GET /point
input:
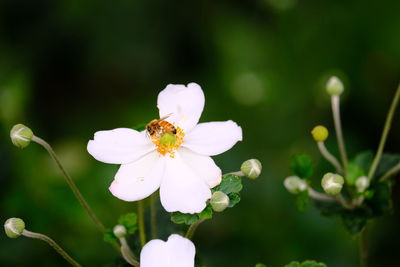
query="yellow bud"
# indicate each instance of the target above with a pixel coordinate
(320, 133)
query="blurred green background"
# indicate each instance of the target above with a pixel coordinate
(69, 68)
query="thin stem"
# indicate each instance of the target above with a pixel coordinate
(192, 228)
(385, 133)
(335, 100)
(329, 157)
(390, 172)
(70, 182)
(127, 253)
(53, 244)
(238, 173)
(153, 216)
(141, 226)
(319, 196)
(363, 247)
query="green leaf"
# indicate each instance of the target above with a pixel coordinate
(387, 162)
(302, 201)
(185, 218)
(230, 183)
(307, 263)
(260, 265)
(129, 220)
(363, 160)
(234, 198)
(354, 222)
(352, 173)
(109, 236)
(301, 165)
(206, 213)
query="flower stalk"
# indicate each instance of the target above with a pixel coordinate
(153, 216)
(53, 244)
(192, 229)
(329, 157)
(127, 253)
(141, 226)
(335, 101)
(70, 182)
(390, 172)
(385, 133)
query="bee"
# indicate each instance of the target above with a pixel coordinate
(159, 126)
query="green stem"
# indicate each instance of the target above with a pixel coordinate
(141, 226)
(153, 215)
(390, 172)
(363, 247)
(338, 127)
(385, 133)
(127, 253)
(70, 182)
(53, 244)
(192, 228)
(329, 157)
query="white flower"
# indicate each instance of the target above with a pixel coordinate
(177, 251)
(183, 169)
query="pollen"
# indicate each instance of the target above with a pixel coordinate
(168, 143)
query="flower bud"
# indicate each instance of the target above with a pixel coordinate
(334, 86)
(362, 183)
(167, 139)
(320, 133)
(332, 183)
(21, 135)
(14, 227)
(219, 201)
(251, 168)
(295, 185)
(119, 231)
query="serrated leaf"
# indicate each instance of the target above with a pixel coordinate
(307, 263)
(129, 220)
(180, 218)
(230, 183)
(352, 173)
(206, 213)
(260, 265)
(302, 201)
(234, 198)
(109, 236)
(301, 165)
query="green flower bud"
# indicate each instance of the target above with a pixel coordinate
(362, 183)
(119, 231)
(332, 183)
(14, 227)
(251, 168)
(334, 86)
(294, 184)
(168, 139)
(219, 201)
(21, 135)
(320, 133)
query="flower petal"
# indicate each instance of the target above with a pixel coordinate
(181, 188)
(202, 165)
(176, 252)
(137, 180)
(213, 138)
(119, 146)
(184, 105)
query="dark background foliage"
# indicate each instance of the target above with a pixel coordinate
(71, 68)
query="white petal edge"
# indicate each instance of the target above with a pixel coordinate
(138, 180)
(183, 104)
(213, 138)
(182, 189)
(177, 251)
(203, 166)
(119, 146)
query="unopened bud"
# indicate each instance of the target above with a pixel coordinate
(251, 168)
(320, 133)
(167, 139)
(14, 227)
(21, 135)
(219, 201)
(362, 183)
(119, 231)
(295, 185)
(334, 86)
(332, 183)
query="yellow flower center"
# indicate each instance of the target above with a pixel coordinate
(168, 143)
